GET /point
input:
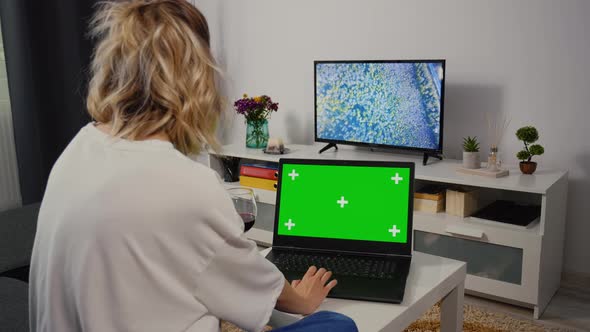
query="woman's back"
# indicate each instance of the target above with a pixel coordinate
(127, 232)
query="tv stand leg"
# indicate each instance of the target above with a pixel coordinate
(426, 155)
(330, 145)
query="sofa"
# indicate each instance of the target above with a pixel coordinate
(17, 234)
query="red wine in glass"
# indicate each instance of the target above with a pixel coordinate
(245, 204)
(249, 219)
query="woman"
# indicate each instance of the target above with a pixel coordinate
(134, 236)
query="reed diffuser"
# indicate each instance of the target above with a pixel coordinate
(496, 130)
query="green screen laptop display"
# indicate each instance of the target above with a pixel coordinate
(344, 202)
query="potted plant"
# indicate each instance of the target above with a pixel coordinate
(471, 158)
(528, 135)
(256, 110)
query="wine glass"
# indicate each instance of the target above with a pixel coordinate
(245, 204)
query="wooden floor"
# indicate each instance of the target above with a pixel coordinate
(569, 308)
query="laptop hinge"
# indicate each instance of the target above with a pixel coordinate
(343, 252)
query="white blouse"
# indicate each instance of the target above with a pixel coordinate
(134, 236)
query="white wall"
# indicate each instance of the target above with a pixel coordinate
(521, 58)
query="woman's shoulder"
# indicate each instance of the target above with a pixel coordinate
(197, 190)
(190, 170)
(183, 174)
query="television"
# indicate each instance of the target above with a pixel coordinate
(391, 104)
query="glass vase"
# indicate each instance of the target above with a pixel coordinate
(493, 160)
(257, 133)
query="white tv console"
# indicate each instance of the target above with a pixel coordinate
(515, 265)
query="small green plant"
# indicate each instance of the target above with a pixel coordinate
(529, 135)
(470, 144)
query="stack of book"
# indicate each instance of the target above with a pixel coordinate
(262, 176)
(430, 198)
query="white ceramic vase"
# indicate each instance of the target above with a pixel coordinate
(471, 160)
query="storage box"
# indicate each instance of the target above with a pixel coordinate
(429, 205)
(430, 198)
(462, 202)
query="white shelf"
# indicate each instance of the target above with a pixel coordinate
(447, 219)
(493, 232)
(436, 171)
(241, 151)
(428, 222)
(441, 223)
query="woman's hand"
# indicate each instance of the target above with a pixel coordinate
(313, 288)
(305, 296)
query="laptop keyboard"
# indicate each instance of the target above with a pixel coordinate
(354, 266)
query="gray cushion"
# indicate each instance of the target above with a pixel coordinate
(17, 234)
(14, 309)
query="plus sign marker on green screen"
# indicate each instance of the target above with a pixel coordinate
(345, 202)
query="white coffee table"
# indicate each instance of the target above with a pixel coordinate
(431, 279)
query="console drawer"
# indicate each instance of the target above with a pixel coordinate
(483, 259)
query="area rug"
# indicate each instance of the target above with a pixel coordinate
(475, 319)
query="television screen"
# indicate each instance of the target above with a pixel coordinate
(380, 103)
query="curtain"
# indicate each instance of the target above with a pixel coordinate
(47, 57)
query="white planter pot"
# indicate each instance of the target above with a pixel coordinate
(471, 160)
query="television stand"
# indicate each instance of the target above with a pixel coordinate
(426, 155)
(508, 263)
(330, 145)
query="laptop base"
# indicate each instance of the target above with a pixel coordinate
(363, 288)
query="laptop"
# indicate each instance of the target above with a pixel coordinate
(353, 218)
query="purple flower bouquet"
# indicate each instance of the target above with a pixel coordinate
(256, 110)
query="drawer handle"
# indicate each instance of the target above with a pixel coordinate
(464, 231)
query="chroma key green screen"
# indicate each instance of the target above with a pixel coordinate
(345, 202)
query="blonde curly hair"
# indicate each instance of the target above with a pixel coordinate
(153, 72)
